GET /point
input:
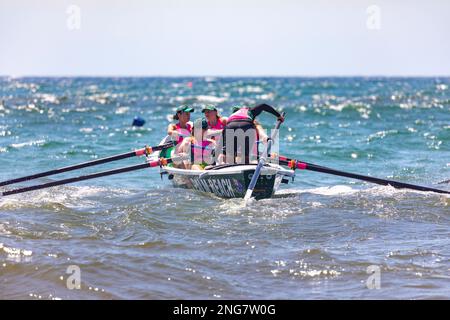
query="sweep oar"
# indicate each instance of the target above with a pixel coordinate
(296, 164)
(155, 163)
(136, 153)
(446, 181)
(261, 162)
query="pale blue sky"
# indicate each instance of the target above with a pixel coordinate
(229, 38)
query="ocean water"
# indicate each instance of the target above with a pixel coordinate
(134, 236)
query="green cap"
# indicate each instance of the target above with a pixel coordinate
(209, 107)
(183, 108)
(201, 123)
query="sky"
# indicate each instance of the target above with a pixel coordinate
(225, 38)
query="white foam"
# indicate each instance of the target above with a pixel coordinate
(3, 231)
(234, 206)
(122, 110)
(68, 196)
(251, 89)
(210, 99)
(327, 191)
(28, 144)
(47, 97)
(15, 252)
(347, 190)
(86, 130)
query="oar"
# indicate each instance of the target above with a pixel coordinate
(150, 164)
(446, 181)
(262, 161)
(137, 153)
(296, 164)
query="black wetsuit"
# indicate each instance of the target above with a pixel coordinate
(245, 125)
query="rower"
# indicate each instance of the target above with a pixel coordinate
(243, 119)
(183, 127)
(199, 147)
(216, 123)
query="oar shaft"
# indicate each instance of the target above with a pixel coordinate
(385, 182)
(136, 153)
(87, 177)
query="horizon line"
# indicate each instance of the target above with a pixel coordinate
(223, 76)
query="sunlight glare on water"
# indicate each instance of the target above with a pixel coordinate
(135, 236)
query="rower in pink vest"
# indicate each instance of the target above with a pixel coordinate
(199, 147)
(216, 123)
(242, 120)
(183, 127)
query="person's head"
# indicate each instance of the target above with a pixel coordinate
(199, 128)
(210, 112)
(183, 113)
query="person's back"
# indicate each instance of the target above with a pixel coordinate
(245, 133)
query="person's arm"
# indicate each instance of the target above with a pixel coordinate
(183, 147)
(182, 150)
(171, 129)
(213, 133)
(264, 107)
(262, 133)
(212, 142)
(224, 121)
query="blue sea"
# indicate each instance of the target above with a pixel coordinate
(135, 236)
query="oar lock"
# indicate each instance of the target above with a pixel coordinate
(163, 162)
(148, 150)
(292, 164)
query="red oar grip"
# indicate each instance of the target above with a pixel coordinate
(140, 152)
(144, 151)
(155, 163)
(301, 165)
(159, 162)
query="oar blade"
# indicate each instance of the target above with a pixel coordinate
(149, 164)
(254, 180)
(385, 182)
(298, 164)
(248, 194)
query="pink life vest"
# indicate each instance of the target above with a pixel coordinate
(241, 114)
(218, 126)
(201, 152)
(185, 132)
